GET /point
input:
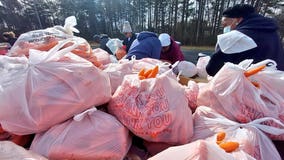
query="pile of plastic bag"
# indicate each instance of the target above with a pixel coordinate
(61, 99)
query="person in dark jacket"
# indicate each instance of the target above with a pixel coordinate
(170, 49)
(147, 45)
(102, 39)
(253, 37)
(9, 37)
(129, 35)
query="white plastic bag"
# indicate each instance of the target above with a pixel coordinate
(199, 150)
(114, 44)
(48, 88)
(245, 98)
(250, 136)
(155, 109)
(90, 135)
(201, 66)
(187, 69)
(11, 151)
(45, 39)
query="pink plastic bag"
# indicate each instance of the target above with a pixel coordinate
(45, 39)
(191, 91)
(4, 47)
(11, 151)
(201, 66)
(199, 150)
(102, 56)
(149, 63)
(234, 95)
(186, 68)
(250, 136)
(116, 72)
(90, 135)
(48, 88)
(155, 109)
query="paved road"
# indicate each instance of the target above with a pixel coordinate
(192, 55)
(189, 54)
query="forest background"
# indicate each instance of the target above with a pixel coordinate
(192, 22)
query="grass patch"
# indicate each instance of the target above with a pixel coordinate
(209, 48)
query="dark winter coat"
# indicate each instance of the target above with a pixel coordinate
(264, 33)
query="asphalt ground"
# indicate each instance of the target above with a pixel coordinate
(191, 54)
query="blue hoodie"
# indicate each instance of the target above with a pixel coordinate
(147, 45)
(264, 33)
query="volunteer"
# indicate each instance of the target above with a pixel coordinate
(170, 49)
(248, 35)
(129, 36)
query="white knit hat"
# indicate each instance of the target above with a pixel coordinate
(165, 39)
(126, 27)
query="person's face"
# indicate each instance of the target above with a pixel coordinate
(226, 21)
(128, 34)
(233, 22)
(165, 49)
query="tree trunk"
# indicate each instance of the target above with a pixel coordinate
(175, 16)
(150, 14)
(228, 4)
(199, 21)
(156, 14)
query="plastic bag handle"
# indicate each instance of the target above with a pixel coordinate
(80, 116)
(170, 70)
(60, 53)
(70, 22)
(268, 64)
(268, 129)
(256, 123)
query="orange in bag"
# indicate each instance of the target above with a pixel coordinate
(151, 73)
(254, 70)
(154, 72)
(147, 73)
(229, 146)
(221, 136)
(142, 72)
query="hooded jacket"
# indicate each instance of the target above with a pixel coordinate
(173, 54)
(103, 41)
(263, 31)
(147, 45)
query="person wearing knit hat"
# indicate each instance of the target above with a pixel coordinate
(129, 35)
(237, 11)
(170, 49)
(234, 15)
(247, 35)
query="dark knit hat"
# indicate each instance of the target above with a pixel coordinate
(239, 10)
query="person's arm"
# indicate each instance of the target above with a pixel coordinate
(216, 62)
(178, 55)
